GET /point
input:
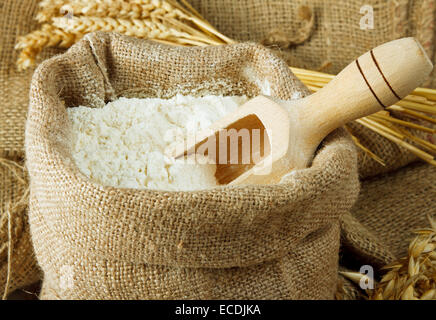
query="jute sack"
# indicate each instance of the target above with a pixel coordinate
(253, 242)
(327, 35)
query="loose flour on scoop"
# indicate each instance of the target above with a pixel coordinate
(123, 144)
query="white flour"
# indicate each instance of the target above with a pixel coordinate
(123, 144)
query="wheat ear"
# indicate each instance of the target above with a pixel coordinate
(152, 29)
(33, 43)
(49, 9)
(120, 9)
(126, 9)
(412, 277)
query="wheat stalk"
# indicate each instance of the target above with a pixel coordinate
(134, 27)
(165, 21)
(153, 29)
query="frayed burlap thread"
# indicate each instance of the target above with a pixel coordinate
(18, 266)
(249, 242)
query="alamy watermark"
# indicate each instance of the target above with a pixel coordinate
(367, 21)
(367, 281)
(66, 279)
(67, 11)
(224, 147)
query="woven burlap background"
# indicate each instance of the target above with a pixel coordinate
(337, 37)
(391, 206)
(251, 242)
(15, 19)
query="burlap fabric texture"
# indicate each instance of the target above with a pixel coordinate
(16, 19)
(253, 242)
(17, 262)
(337, 35)
(380, 228)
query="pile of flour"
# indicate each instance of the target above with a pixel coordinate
(123, 144)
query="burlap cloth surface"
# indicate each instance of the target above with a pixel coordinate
(18, 265)
(335, 37)
(16, 18)
(334, 41)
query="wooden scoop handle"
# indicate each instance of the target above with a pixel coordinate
(374, 81)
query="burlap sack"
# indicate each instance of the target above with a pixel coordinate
(338, 21)
(335, 40)
(253, 242)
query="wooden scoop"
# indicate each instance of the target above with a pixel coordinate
(289, 132)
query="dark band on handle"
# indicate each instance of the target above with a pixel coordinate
(381, 72)
(369, 86)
